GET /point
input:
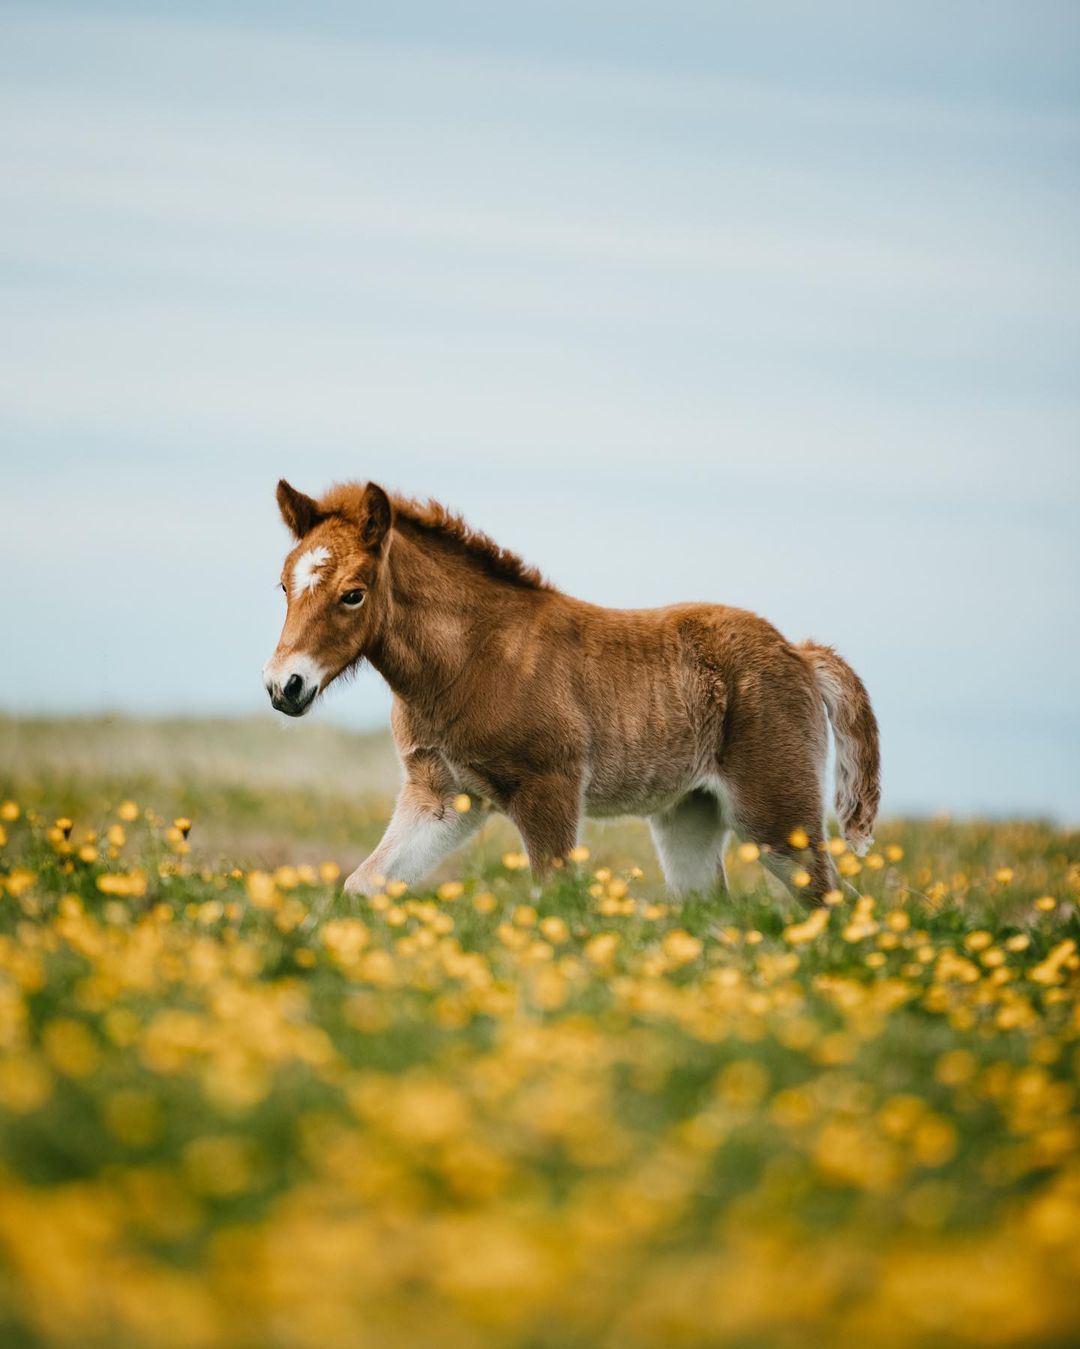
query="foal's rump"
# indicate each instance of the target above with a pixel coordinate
(773, 742)
(855, 729)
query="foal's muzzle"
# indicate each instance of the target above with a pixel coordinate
(294, 697)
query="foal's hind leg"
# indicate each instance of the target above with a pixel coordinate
(772, 819)
(690, 839)
(774, 778)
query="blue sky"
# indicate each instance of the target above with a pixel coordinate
(771, 304)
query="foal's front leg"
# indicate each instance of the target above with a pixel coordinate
(547, 812)
(422, 830)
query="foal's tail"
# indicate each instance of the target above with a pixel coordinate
(855, 729)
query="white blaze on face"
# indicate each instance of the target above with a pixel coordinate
(305, 575)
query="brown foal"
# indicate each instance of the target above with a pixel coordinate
(700, 717)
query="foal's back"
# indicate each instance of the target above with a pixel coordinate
(661, 691)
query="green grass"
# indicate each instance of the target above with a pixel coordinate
(238, 1109)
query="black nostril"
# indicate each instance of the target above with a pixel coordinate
(293, 688)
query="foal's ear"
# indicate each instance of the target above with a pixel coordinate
(376, 517)
(298, 511)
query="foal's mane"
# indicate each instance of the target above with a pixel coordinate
(432, 517)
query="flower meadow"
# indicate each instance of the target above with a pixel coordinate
(240, 1109)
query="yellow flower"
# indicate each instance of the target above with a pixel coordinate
(810, 928)
(800, 877)
(1045, 903)
(9, 811)
(798, 838)
(25, 1083)
(680, 947)
(578, 854)
(600, 950)
(128, 811)
(463, 803)
(748, 852)
(894, 852)
(554, 929)
(934, 1141)
(132, 885)
(261, 890)
(515, 861)
(1048, 971)
(450, 890)
(329, 872)
(70, 1047)
(955, 1067)
(183, 824)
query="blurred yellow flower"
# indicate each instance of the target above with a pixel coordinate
(261, 890)
(600, 950)
(809, 929)
(680, 947)
(25, 1083)
(555, 929)
(70, 1047)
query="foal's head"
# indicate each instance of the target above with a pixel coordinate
(330, 580)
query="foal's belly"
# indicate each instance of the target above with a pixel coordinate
(627, 783)
(609, 806)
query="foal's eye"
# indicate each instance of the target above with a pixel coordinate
(283, 590)
(352, 599)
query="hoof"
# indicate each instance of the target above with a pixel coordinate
(360, 884)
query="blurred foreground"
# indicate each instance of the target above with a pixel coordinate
(238, 1110)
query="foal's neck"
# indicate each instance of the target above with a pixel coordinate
(438, 607)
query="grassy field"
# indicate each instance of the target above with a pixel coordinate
(238, 1110)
